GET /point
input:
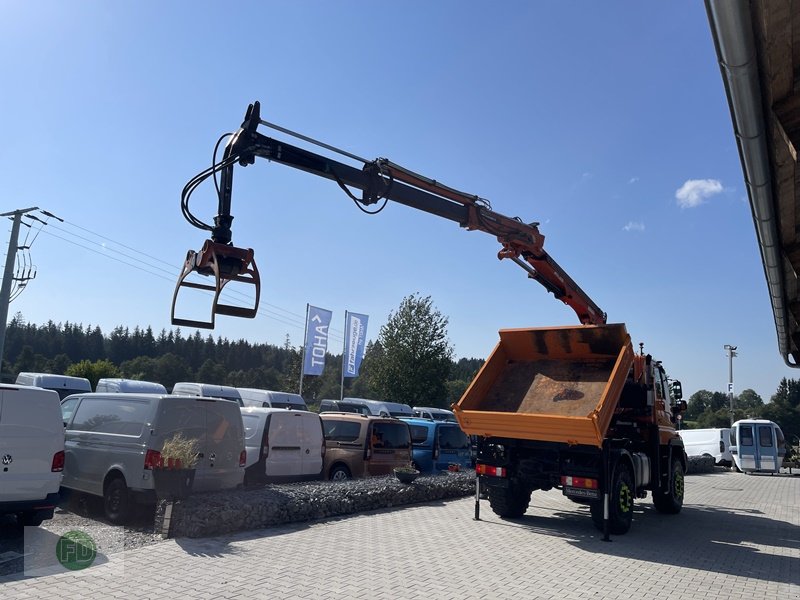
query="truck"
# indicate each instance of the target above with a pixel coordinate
(571, 408)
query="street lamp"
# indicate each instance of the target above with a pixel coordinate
(731, 353)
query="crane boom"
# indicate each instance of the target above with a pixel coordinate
(378, 180)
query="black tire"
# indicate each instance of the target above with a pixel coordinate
(116, 502)
(620, 503)
(671, 503)
(339, 473)
(510, 502)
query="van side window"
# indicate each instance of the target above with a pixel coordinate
(765, 436)
(67, 408)
(419, 434)
(341, 431)
(125, 417)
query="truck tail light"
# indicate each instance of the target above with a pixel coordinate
(152, 459)
(579, 482)
(491, 471)
(58, 462)
(243, 458)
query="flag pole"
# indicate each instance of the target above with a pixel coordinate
(344, 349)
(303, 352)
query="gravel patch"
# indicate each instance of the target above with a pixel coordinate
(225, 512)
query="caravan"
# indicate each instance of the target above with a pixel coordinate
(757, 446)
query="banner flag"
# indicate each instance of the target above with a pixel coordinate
(318, 323)
(355, 338)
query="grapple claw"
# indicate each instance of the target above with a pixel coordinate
(225, 263)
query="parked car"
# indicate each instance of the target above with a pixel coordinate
(757, 446)
(129, 386)
(438, 444)
(282, 445)
(383, 409)
(348, 406)
(113, 442)
(207, 390)
(270, 399)
(435, 414)
(708, 442)
(361, 446)
(65, 385)
(31, 453)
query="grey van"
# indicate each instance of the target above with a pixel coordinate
(113, 441)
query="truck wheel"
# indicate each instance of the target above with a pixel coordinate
(671, 502)
(510, 502)
(115, 501)
(620, 504)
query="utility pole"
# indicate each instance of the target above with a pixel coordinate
(5, 289)
(731, 353)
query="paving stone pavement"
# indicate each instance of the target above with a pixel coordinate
(738, 537)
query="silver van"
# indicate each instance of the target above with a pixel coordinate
(65, 385)
(379, 408)
(113, 441)
(209, 390)
(282, 445)
(270, 399)
(129, 386)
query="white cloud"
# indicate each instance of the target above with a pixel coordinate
(633, 180)
(695, 191)
(634, 226)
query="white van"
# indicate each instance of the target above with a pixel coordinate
(31, 452)
(113, 442)
(208, 390)
(129, 386)
(758, 446)
(709, 442)
(434, 414)
(63, 384)
(270, 399)
(282, 445)
(383, 409)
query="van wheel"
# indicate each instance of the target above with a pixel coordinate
(115, 500)
(340, 473)
(510, 502)
(671, 502)
(620, 503)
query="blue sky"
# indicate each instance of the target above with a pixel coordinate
(607, 124)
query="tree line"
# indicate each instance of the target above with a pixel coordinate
(410, 362)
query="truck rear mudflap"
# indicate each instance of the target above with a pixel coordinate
(557, 384)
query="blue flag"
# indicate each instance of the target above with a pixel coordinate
(355, 338)
(317, 325)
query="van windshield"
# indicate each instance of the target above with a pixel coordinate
(437, 416)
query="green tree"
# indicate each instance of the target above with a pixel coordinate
(748, 404)
(93, 371)
(417, 355)
(784, 409)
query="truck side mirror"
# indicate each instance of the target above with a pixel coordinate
(677, 390)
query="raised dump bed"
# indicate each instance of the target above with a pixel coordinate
(556, 384)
